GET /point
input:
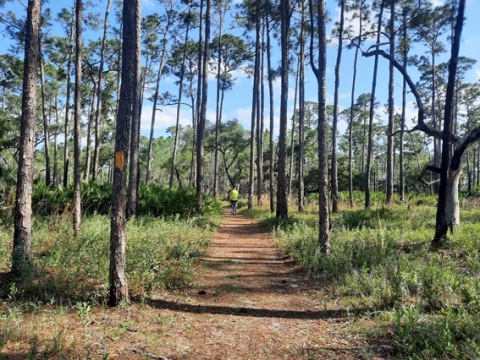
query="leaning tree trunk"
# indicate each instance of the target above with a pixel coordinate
(179, 105)
(46, 134)
(22, 263)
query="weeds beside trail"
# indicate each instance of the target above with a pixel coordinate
(426, 303)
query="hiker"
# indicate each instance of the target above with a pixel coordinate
(233, 197)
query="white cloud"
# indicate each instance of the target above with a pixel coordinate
(477, 73)
(148, 4)
(165, 118)
(438, 2)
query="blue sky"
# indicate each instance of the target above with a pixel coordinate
(238, 100)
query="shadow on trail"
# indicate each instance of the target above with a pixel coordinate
(256, 312)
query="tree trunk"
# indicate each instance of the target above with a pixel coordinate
(251, 185)
(117, 271)
(203, 114)
(321, 74)
(371, 116)
(334, 175)
(391, 110)
(77, 134)
(177, 123)
(301, 112)
(282, 202)
(134, 176)
(66, 160)
(271, 124)
(352, 104)
(22, 264)
(91, 117)
(260, 117)
(292, 139)
(98, 113)
(404, 106)
(449, 172)
(218, 111)
(46, 134)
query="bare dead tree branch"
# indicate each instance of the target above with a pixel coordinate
(422, 126)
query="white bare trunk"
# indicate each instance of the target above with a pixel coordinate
(453, 204)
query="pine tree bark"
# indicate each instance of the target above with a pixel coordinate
(66, 151)
(77, 134)
(391, 110)
(448, 204)
(253, 124)
(301, 112)
(134, 169)
(320, 72)
(334, 175)
(368, 171)
(271, 122)
(282, 196)
(203, 113)
(98, 113)
(117, 270)
(46, 133)
(22, 263)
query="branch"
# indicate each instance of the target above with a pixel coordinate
(463, 146)
(431, 168)
(421, 122)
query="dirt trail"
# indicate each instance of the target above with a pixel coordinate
(250, 302)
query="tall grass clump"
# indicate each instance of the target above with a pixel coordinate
(161, 253)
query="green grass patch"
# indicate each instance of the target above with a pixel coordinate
(381, 259)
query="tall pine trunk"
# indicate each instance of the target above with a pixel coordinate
(448, 205)
(253, 124)
(22, 264)
(134, 164)
(391, 110)
(271, 122)
(334, 175)
(368, 171)
(117, 270)
(203, 113)
(282, 200)
(98, 113)
(77, 133)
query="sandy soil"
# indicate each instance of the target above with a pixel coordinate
(251, 302)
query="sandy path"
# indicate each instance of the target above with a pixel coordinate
(250, 302)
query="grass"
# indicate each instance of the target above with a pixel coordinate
(425, 304)
(61, 311)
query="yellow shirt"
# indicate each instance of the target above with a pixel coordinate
(233, 195)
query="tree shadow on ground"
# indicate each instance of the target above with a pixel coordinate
(258, 312)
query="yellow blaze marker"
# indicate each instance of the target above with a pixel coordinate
(119, 159)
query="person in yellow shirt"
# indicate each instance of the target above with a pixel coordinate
(233, 197)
